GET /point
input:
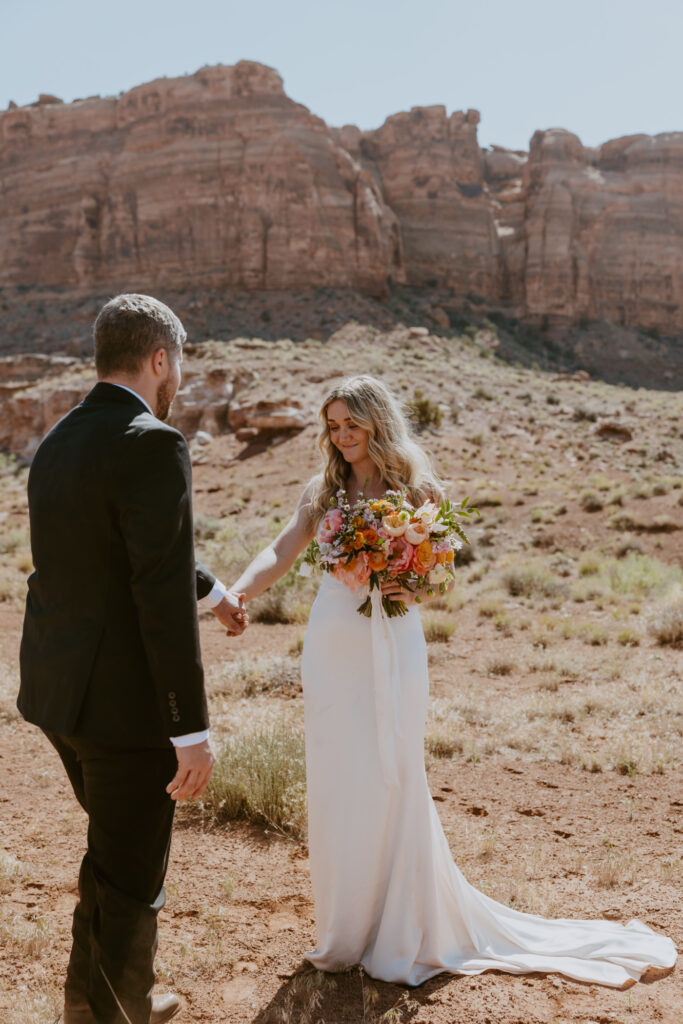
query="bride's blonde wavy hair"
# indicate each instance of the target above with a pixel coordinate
(401, 462)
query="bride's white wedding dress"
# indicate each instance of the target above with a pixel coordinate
(387, 892)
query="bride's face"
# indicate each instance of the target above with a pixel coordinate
(345, 434)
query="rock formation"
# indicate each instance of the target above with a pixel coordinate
(213, 179)
(218, 180)
(592, 234)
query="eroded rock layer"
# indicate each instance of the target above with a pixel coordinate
(219, 180)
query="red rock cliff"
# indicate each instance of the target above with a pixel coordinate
(218, 179)
(214, 179)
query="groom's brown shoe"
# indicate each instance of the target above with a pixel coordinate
(163, 1008)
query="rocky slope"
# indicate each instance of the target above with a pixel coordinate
(218, 180)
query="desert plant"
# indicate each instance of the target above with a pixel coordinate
(666, 622)
(532, 581)
(437, 630)
(424, 411)
(500, 667)
(28, 938)
(261, 776)
(12, 872)
(442, 745)
(591, 502)
(248, 677)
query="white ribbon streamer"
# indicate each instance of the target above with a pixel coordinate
(387, 689)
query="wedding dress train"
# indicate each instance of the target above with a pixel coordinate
(387, 892)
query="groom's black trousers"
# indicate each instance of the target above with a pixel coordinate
(130, 817)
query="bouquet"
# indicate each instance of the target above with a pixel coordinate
(378, 540)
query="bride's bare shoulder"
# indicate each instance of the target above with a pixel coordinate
(311, 490)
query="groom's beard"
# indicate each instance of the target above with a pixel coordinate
(165, 398)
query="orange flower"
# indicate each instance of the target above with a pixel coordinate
(424, 559)
(358, 541)
(377, 560)
(445, 557)
(358, 522)
(371, 536)
(382, 505)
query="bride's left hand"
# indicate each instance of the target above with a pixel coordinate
(395, 592)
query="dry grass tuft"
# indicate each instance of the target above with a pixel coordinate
(26, 938)
(260, 776)
(532, 581)
(250, 677)
(666, 623)
(616, 868)
(12, 872)
(437, 629)
(41, 1005)
(9, 688)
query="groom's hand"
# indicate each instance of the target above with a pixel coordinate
(195, 764)
(232, 613)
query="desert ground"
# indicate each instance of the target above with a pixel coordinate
(553, 742)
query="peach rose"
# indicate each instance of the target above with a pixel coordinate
(417, 533)
(396, 524)
(424, 559)
(400, 555)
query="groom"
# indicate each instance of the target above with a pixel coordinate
(110, 661)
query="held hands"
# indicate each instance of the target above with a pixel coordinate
(232, 613)
(195, 764)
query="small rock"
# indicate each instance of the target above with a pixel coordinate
(246, 433)
(202, 437)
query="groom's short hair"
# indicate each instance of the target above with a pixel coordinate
(129, 328)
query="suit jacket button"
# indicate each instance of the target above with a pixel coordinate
(176, 718)
(171, 695)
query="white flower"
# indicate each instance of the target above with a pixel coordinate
(438, 575)
(427, 513)
(396, 523)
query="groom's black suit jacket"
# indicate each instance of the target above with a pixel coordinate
(110, 647)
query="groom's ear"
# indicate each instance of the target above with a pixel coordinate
(159, 362)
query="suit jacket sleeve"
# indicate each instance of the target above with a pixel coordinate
(205, 580)
(155, 517)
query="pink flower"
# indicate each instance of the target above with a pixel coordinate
(330, 526)
(400, 555)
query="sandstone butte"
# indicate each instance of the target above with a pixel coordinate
(219, 180)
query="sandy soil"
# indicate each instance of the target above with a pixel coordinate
(526, 822)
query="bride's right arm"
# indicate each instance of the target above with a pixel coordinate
(279, 557)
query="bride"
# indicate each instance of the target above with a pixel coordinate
(387, 892)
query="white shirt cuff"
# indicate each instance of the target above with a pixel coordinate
(215, 595)
(190, 738)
